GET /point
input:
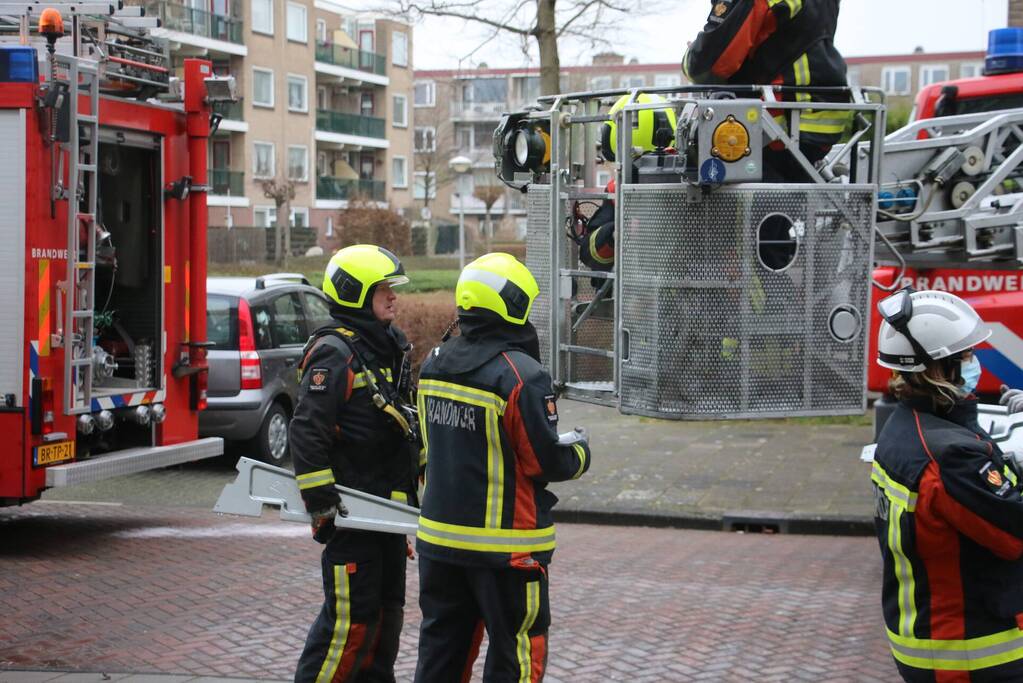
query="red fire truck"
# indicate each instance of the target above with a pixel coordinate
(103, 269)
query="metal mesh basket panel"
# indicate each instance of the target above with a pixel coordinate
(538, 260)
(717, 327)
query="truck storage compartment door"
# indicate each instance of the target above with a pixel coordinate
(12, 257)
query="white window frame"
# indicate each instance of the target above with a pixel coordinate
(269, 72)
(271, 214)
(329, 230)
(321, 30)
(255, 159)
(601, 83)
(404, 110)
(296, 210)
(419, 191)
(977, 67)
(399, 37)
(270, 13)
(432, 135)
(853, 76)
(927, 74)
(633, 81)
(305, 164)
(603, 178)
(402, 182)
(305, 92)
(667, 80)
(890, 72)
(431, 89)
(297, 32)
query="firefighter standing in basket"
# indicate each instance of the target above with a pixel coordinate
(949, 514)
(777, 42)
(349, 428)
(489, 423)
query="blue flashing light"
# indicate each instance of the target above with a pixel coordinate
(1004, 51)
(885, 200)
(18, 64)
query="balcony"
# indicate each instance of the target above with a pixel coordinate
(197, 27)
(227, 188)
(350, 130)
(351, 66)
(478, 111)
(234, 117)
(341, 189)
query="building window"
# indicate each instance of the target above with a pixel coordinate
(896, 80)
(667, 80)
(419, 189)
(262, 87)
(425, 94)
(465, 185)
(322, 101)
(263, 160)
(400, 119)
(264, 216)
(971, 69)
(933, 73)
(321, 30)
(633, 81)
(298, 23)
(399, 48)
(330, 227)
(853, 77)
(263, 16)
(601, 83)
(299, 217)
(603, 178)
(298, 93)
(426, 139)
(399, 172)
(298, 163)
(366, 106)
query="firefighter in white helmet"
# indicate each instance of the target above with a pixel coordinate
(949, 515)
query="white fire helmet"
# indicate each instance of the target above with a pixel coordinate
(922, 326)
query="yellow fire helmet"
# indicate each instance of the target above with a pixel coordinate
(645, 125)
(352, 271)
(497, 282)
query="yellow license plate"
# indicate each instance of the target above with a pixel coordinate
(53, 453)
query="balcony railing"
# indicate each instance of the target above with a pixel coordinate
(227, 183)
(353, 59)
(328, 187)
(229, 110)
(479, 110)
(177, 17)
(349, 124)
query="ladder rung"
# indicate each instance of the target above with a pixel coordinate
(87, 118)
(586, 350)
(82, 314)
(86, 218)
(85, 265)
(80, 362)
(87, 168)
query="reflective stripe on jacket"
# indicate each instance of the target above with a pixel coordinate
(491, 447)
(949, 520)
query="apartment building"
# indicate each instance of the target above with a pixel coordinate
(324, 102)
(455, 113)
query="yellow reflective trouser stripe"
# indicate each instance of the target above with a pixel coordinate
(495, 472)
(958, 655)
(581, 452)
(523, 646)
(313, 479)
(457, 392)
(342, 623)
(360, 379)
(801, 76)
(421, 404)
(486, 540)
(895, 491)
(399, 496)
(903, 571)
(824, 122)
(594, 253)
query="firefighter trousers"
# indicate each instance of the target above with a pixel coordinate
(459, 602)
(355, 637)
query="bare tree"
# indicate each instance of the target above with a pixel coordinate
(282, 192)
(531, 19)
(432, 156)
(488, 194)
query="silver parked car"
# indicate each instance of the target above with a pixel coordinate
(258, 328)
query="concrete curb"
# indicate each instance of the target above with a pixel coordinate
(747, 521)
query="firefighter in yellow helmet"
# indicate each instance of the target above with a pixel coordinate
(351, 427)
(489, 420)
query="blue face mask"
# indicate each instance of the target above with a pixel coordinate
(970, 370)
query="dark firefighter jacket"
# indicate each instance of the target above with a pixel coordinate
(949, 520)
(337, 434)
(779, 42)
(597, 243)
(489, 422)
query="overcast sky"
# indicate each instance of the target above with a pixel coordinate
(865, 27)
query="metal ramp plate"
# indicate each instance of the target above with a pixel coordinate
(259, 484)
(132, 461)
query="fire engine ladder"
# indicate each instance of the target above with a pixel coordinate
(82, 151)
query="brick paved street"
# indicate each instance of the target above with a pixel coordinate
(176, 590)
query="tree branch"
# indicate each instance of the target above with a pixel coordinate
(452, 10)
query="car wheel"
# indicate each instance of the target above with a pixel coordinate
(272, 439)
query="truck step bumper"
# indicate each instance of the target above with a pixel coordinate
(132, 460)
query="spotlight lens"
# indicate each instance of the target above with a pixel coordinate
(521, 148)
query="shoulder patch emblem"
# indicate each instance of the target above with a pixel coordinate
(720, 9)
(998, 484)
(318, 379)
(551, 408)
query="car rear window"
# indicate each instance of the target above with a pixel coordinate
(222, 321)
(976, 105)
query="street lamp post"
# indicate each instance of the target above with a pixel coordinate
(461, 165)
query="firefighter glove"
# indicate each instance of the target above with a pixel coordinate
(323, 521)
(1012, 399)
(584, 434)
